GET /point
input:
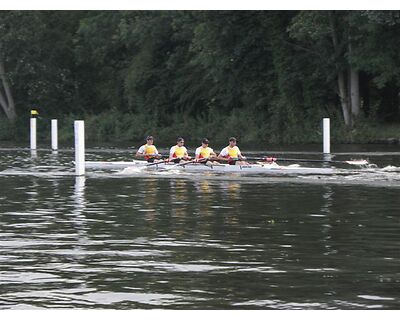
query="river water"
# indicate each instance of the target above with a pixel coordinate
(124, 241)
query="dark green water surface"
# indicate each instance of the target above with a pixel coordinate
(195, 242)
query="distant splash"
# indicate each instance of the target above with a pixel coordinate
(390, 169)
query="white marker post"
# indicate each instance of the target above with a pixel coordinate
(79, 129)
(33, 133)
(327, 135)
(54, 134)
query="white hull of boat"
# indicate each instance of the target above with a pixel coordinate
(220, 168)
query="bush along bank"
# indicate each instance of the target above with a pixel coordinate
(124, 128)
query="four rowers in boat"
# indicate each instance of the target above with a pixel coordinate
(179, 153)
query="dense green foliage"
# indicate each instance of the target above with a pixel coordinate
(258, 75)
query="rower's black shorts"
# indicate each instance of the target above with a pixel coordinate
(176, 160)
(232, 162)
(151, 160)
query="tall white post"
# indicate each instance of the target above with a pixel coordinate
(79, 130)
(54, 134)
(327, 135)
(33, 133)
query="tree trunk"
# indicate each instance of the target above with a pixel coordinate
(343, 89)
(355, 91)
(344, 101)
(6, 100)
(354, 84)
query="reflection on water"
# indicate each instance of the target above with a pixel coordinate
(149, 199)
(78, 215)
(205, 193)
(149, 242)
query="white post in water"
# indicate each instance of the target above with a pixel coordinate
(33, 133)
(79, 129)
(54, 134)
(327, 135)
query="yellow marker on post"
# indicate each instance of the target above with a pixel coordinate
(34, 113)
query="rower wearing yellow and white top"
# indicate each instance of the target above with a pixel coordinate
(178, 152)
(148, 151)
(204, 151)
(232, 153)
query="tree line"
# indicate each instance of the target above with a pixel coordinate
(259, 75)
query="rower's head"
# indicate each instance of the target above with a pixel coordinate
(232, 141)
(180, 141)
(150, 140)
(205, 143)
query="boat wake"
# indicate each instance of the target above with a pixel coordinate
(131, 171)
(45, 174)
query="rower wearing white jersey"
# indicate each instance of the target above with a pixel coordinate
(148, 151)
(232, 153)
(178, 152)
(204, 151)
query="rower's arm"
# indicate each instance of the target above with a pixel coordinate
(186, 155)
(140, 152)
(240, 156)
(222, 155)
(171, 153)
(197, 153)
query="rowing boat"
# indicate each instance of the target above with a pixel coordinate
(267, 168)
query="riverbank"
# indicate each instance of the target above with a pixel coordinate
(120, 129)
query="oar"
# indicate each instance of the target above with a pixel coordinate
(230, 159)
(352, 162)
(192, 161)
(158, 162)
(167, 160)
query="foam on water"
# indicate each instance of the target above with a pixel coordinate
(130, 171)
